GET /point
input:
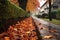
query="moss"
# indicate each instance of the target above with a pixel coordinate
(12, 11)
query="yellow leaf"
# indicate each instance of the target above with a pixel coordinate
(48, 37)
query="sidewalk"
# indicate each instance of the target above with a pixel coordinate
(44, 29)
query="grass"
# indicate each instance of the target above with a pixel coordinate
(54, 21)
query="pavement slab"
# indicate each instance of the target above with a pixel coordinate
(43, 28)
(44, 31)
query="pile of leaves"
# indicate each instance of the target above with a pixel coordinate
(22, 30)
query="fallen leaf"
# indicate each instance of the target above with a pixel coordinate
(28, 32)
(48, 37)
(6, 38)
(52, 31)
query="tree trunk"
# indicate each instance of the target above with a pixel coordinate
(50, 16)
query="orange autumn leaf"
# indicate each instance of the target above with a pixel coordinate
(6, 38)
(15, 2)
(32, 5)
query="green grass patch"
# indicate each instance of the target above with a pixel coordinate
(54, 21)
